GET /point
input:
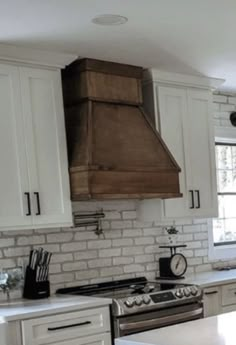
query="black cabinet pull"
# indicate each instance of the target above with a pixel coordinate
(211, 292)
(192, 199)
(38, 204)
(28, 204)
(69, 326)
(198, 199)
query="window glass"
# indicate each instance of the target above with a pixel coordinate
(224, 228)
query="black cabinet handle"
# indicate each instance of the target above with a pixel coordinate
(38, 204)
(69, 326)
(28, 204)
(198, 199)
(211, 292)
(192, 199)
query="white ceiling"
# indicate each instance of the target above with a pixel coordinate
(188, 36)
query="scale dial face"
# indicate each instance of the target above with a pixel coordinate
(178, 265)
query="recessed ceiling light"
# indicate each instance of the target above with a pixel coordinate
(109, 19)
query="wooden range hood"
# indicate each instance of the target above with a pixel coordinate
(114, 151)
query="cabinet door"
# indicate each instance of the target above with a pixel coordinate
(201, 152)
(173, 126)
(46, 147)
(99, 339)
(13, 173)
(211, 301)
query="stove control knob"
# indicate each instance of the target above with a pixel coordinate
(186, 292)
(194, 290)
(179, 293)
(138, 301)
(129, 303)
(146, 299)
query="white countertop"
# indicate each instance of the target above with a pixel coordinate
(211, 278)
(25, 309)
(216, 330)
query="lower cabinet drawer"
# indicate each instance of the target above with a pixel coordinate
(65, 327)
(228, 294)
(99, 339)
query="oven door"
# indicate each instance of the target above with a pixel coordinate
(146, 321)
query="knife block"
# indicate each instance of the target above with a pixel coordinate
(34, 289)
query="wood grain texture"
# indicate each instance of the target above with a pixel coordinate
(114, 150)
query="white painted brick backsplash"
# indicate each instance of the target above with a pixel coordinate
(227, 107)
(7, 242)
(103, 253)
(220, 98)
(144, 258)
(232, 100)
(112, 271)
(28, 240)
(144, 240)
(89, 254)
(130, 247)
(89, 274)
(60, 237)
(60, 258)
(123, 261)
(99, 244)
(74, 266)
(133, 268)
(100, 263)
(122, 242)
(129, 215)
(133, 250)
(73, 247)
(113, 215)
(132, 233)
(62, 278)
(16, 252)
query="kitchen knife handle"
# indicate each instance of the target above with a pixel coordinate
(28, 204)
(192, 199)
(198, 199)
(38, 204)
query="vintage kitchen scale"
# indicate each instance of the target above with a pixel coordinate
(175, 266)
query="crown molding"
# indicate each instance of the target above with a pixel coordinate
(186, 80)
(20, 54)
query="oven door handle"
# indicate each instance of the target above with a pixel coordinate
(166, 320)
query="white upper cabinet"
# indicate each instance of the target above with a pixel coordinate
(14, 181)
(173, 126)
(46, 146)
(34, 179)
(201, 151)
(183, 115)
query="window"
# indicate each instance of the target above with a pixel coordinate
(224, 227)
(222, 231)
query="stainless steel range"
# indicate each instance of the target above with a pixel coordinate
(140, 305)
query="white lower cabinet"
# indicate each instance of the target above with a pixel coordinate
(219, 299)
(98, 339)
(91, 327)
(212, 301)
